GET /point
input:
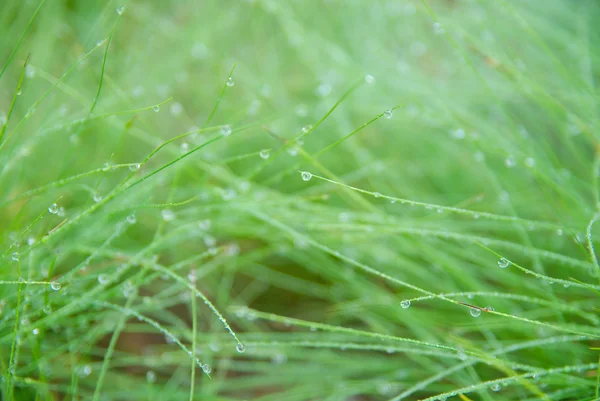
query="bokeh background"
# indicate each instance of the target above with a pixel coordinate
(483, 114)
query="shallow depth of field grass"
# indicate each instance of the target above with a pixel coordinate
(299, 200)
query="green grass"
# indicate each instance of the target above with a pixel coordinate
(299, 200)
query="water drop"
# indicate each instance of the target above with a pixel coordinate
(489, 308)
(458, 133)
(150, 376)
(370, 79)
(324, 89)
(120, 10)
(292, 151)
(103, 279)
(241, 348)
(377, 194)
(55, 285)
(176, 109)
(503, 263)
(15, 256)
(131, 219)
(184, 148)
(134, 166)
(510, 162)
(30, 71)
(405, 304)
(306, 128)
(84, 371)
(495, 387)
(97, 197)
(204, 225)
(228, 194)
(206, 369)
(156, 108)
(230, 82)
(475, 312)
(35, 331)
(167, 215)
(53, 208)
(388, 114)
(264, 154)
(306, 176)
(226, 130)
(530, 162)
(438, 29)
(19, 92)
(210, 241)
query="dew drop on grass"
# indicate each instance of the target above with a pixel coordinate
(306, 176)
(292, 151)
(97, 197)
(458, 133)
(55, 285)
(167, 215)
(503, 263)
(131, 219)
(509, 162)
(230, 82)
(475, 312)
(264, 154)
(438, 29)
(30, 71)
(19, 92)
(176, 109)
(53, 208)
(226, 130)
(204, 225)
(388, 114)
(150, 376)
(120, 10)
(495, 387)
(85, 371)
(102, 279)
(370, 79)
(134, 167)
(530, 162)
(15, 256)
(184, 148)
(156, 108)
(324, 89)
(306, 128)
(206, 369)
(35, 331)
(405, 304)
(377, 194)
(241, 348)
(106, 166)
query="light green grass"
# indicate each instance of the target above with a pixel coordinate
(299, 200)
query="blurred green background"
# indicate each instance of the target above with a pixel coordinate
(441, 137)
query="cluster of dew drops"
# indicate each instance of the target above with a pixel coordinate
(503, 263)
